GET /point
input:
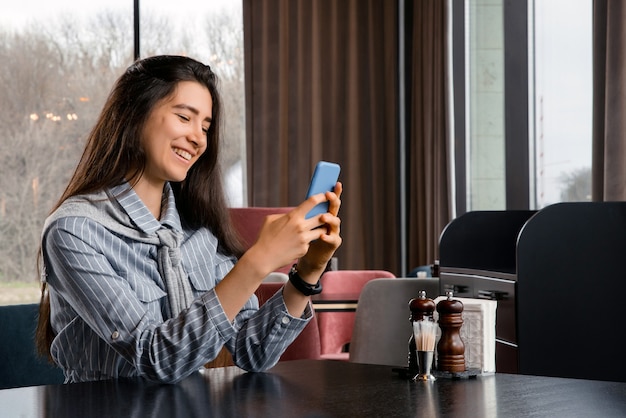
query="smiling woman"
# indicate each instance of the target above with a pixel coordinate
(144, 273)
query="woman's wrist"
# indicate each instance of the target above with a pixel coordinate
(306, 288)
(307, 272)
(255, 264)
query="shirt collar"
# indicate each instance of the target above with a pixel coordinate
(141, 215)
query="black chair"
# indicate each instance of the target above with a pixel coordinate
(20, 365)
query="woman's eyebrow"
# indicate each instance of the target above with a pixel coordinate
(192, 110)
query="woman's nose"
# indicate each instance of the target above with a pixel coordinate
(197, 136)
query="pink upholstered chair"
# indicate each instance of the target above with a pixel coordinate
(307, 344)
(336, 327)
(248, 222)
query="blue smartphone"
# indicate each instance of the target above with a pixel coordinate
(323, 180)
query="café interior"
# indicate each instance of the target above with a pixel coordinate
(430, 109)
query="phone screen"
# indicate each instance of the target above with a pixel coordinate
(323, 180)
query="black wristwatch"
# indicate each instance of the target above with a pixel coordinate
(307, 289)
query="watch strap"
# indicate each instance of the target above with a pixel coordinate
(307, 289)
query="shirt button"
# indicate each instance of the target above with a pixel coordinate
(285, 320)
(115, 335)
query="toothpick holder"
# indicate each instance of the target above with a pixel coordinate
(424, 363)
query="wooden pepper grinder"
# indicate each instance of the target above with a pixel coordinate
(421, 307)
(450, 349)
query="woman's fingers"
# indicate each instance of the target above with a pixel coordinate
(286, 237)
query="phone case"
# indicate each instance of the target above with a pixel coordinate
(324, 178)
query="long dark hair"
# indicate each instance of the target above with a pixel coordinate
(113, 150)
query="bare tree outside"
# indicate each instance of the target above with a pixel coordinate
(576, 185)
(54, 80)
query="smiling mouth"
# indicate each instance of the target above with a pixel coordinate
(182, 153)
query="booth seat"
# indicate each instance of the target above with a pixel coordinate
(20, 365)
(336, 327)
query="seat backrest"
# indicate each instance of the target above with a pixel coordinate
(336, 327)
(381, 326)
(307, 344)
(276, 277)
(350, 281)
(20, 365)
(248, 222)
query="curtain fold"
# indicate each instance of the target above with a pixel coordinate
(322, 84)
(609, 101)
(429, 200)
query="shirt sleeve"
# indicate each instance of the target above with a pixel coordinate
(262, 337)
(123, 315)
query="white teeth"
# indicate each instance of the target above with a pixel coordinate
(183, 153)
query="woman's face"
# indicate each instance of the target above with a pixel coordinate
(175, 134)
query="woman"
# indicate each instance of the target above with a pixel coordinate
(142, 272)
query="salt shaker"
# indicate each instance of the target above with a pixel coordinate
(450, 349)
(421, 307)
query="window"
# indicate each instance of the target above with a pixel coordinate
(60, 60)
(485, 75)
(563, 100)
(523, 113)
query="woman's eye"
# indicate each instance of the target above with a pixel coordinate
(205, 129)
(183, 117)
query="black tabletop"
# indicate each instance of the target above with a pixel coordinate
(310, 388)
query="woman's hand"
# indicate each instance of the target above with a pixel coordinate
(286, 237)
(312, 265)
(283, 239)
(329, 239)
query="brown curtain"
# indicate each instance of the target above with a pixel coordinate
(429, 201)
(322, 83)
(609, 101)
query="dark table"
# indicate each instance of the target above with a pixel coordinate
(318, 388)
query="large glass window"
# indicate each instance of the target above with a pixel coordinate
(59, 61)
(553, 38)
(485, 77)
(563, 100)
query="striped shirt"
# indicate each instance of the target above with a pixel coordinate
(108, 302)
